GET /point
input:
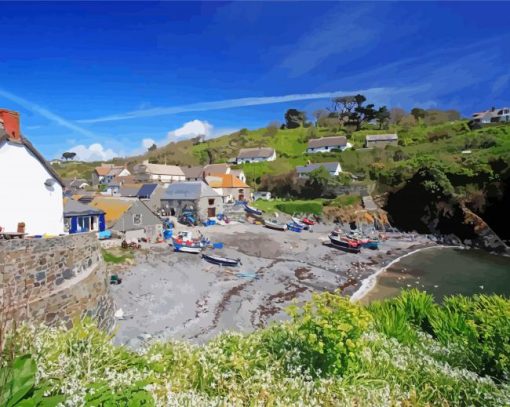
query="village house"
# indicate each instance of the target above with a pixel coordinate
(105, 173)
(381, 140)
(255, 155)
(239, 174)
(196, 197)
(229, 186)
(264, 195)
(221, 168)
(327, 144)
(333, 168)
(193, 173)
(75, 184)
(81, 218)
(494, 115)
(151, 195)
(129, 216)
(147, 172)
(130, 190)
(31, 200)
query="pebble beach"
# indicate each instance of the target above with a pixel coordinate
(168, 295)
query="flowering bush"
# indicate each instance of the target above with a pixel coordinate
(332, 352)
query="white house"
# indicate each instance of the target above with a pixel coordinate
(256, 155)
(501, 115)
(31, 190)
(105, 173)
(147, 172)
(327, 144)
(333, 169)
(265, 195)
(239, 174)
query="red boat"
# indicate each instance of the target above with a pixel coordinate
(307, 221)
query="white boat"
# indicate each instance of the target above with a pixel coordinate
(184, 248)
(273, 224)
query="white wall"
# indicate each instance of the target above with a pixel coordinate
(167, 178)
(23, 195)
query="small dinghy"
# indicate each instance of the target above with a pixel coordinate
(346, 245)
(221, 261)
(273, 224)
(372, 244)
(252, 210)
(293, 227)
(307, 221)
(185, 248)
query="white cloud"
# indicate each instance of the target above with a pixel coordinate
(94, 152)
(148, 142)
(191, 129)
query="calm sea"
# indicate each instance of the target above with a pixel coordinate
(445, 271)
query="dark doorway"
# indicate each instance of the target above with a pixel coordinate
(211, 212)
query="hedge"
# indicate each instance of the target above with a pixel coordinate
(300, 207)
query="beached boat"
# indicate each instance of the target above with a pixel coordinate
(273, 224)
(293, 227)
(372, 244)
(250, 209)
(308, 222)
(221, 261)
(185, 248)
(298, 222)
(186, 238)
(345, 244)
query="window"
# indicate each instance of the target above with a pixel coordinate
(137, 219)
(211, 201)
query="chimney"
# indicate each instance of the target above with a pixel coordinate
(10, 121)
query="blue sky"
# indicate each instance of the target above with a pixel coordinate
(104, 79)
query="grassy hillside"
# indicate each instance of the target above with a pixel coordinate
(406, 351)
(444, 142)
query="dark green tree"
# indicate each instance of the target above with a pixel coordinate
(68, 155)
(294, 118)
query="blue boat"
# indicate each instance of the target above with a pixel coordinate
(372, 244)
(249, 209)
(184, 248)
(294, 227)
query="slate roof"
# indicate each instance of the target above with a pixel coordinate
(146, 191)
(260, 152)
(24, 141)
(381, 137)
(130, 190)
(327, 142)
(305, 169)
(159, 169)
(225, 181)
(75, 208)
(193, 172)
(189, 191)
(216, 169)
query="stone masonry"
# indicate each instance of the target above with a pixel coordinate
(55, 280)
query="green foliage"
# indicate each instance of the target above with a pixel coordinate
(17, 380)
(305, 207)
(329, 330)
(101, 395)
(481, 326)
(343, 201)
(110, 257)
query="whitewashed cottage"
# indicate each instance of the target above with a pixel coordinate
(30, 190)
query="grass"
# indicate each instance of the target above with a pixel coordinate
(117, 256)
(272, 205)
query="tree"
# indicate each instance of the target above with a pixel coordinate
(408, 121)
(294, 118)
(418, 113)
(68, 155)
(153, 147)
(382, 116)
(396, 115)
(317, 183)
(318, 115)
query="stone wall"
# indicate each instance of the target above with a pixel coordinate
(56, 279)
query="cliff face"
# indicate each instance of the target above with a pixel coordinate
(423, 208)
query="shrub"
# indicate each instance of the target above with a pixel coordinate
(329, 329)
(300, 207)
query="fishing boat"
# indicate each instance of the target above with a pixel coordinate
(273, 224)
(344, 244)
(221, 261)
(185, 248)
(293, 227)
(250, 209)
(308, 222)
(298, 222)
(186, 238)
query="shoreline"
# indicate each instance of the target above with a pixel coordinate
(369, 283)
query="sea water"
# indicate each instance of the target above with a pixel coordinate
(445, 271)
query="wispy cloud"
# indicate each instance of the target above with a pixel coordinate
(33, 107)
(229, 104)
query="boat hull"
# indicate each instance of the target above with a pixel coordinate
(253, 211)
(276, 226)
(187, 249)
(344, 246)
(221, 261)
